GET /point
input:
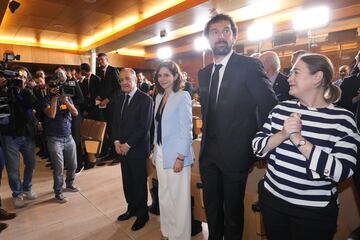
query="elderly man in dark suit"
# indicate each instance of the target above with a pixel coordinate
(109, 87)
(271, 62)
(133, 111)
(235, 96)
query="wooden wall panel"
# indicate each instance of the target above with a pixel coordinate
(126, 61)
(39, 55)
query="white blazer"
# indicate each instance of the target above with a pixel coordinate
(176, 128)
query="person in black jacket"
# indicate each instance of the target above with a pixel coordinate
(279, 81)
(132, 115)
(90, 87)
(235, 97)
(109, 87)
(18, 137)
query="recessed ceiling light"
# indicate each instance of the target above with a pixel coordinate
(90, 1)
(58, 26)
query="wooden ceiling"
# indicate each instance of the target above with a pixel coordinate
(110, 25)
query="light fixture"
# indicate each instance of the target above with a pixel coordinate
(164, 53)
(259, 31)
(13, 6)
(201, 44)
(311, 18)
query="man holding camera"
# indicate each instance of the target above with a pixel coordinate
(59, 110)
(18, 137)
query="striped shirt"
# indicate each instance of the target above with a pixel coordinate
(309, 182)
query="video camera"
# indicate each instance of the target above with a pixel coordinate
(66, 88)
(12, 77)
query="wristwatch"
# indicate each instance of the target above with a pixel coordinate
(301, 143)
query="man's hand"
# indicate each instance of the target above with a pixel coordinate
(124, 149)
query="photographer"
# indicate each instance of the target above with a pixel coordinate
(18, 137)
(59, 110)
(78, 98)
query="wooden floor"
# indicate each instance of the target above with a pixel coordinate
(89, 214)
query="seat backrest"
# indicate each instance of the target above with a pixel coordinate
(85, 127)
(196, 111)
(196, 147)
(97, 130)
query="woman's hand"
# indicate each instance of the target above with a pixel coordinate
(292, 125)
(178, 165)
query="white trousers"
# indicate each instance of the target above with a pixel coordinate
(174, 199)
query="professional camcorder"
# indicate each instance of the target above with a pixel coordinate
(66, 88)
(11, 77)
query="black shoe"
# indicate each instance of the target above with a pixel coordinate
(88, 165)
(196, 227)
(154, 208)
(114, 162)
(79, 169)
(107, 158)
(140, 223)
(3, 226)
(125, 216)
(4, 215)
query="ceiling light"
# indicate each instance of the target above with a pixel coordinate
(164, 53)
(13, 6)
(259, 31)
(90, 1)
(311, 18)
(201, 44)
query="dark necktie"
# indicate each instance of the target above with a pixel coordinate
(124, 106)
(214, 87)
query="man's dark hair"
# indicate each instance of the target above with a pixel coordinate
(219, 18)
(77, 70)
(102, 55)
(85, 67)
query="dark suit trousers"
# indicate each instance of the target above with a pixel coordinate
(134, 176)
(223, 196)
(75, 132)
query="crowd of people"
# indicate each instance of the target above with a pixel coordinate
(301, 124)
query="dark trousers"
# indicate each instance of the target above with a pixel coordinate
(286, 221)
(223, 197)
(105, 115)
(75, 132)
(134, 176)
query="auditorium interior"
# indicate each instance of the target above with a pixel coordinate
(138, 34)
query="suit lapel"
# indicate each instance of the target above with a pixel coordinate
(226, 77)
(207, 80)
(131, 104)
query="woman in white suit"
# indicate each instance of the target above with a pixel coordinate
(173, 154)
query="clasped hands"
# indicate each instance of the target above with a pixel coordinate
(121, 149)
(292, 126)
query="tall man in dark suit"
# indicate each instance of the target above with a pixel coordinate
(271, 62)
(231, 89)
(90, 87)
(133, 113)
(109, 87)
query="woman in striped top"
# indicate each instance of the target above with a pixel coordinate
(311, 145)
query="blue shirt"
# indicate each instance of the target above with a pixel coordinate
(60, 126)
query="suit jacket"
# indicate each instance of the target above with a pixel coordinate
(349, 88)
(90, 92)
(245, 99)
(134, 128)
(109, 86)
(176, 128)
(281, 88)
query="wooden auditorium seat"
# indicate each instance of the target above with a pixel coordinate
(92, 135)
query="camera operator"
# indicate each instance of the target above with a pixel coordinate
(58, 111)
(18, 137)
(78, 98)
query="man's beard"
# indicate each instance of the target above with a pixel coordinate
(223, 50)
